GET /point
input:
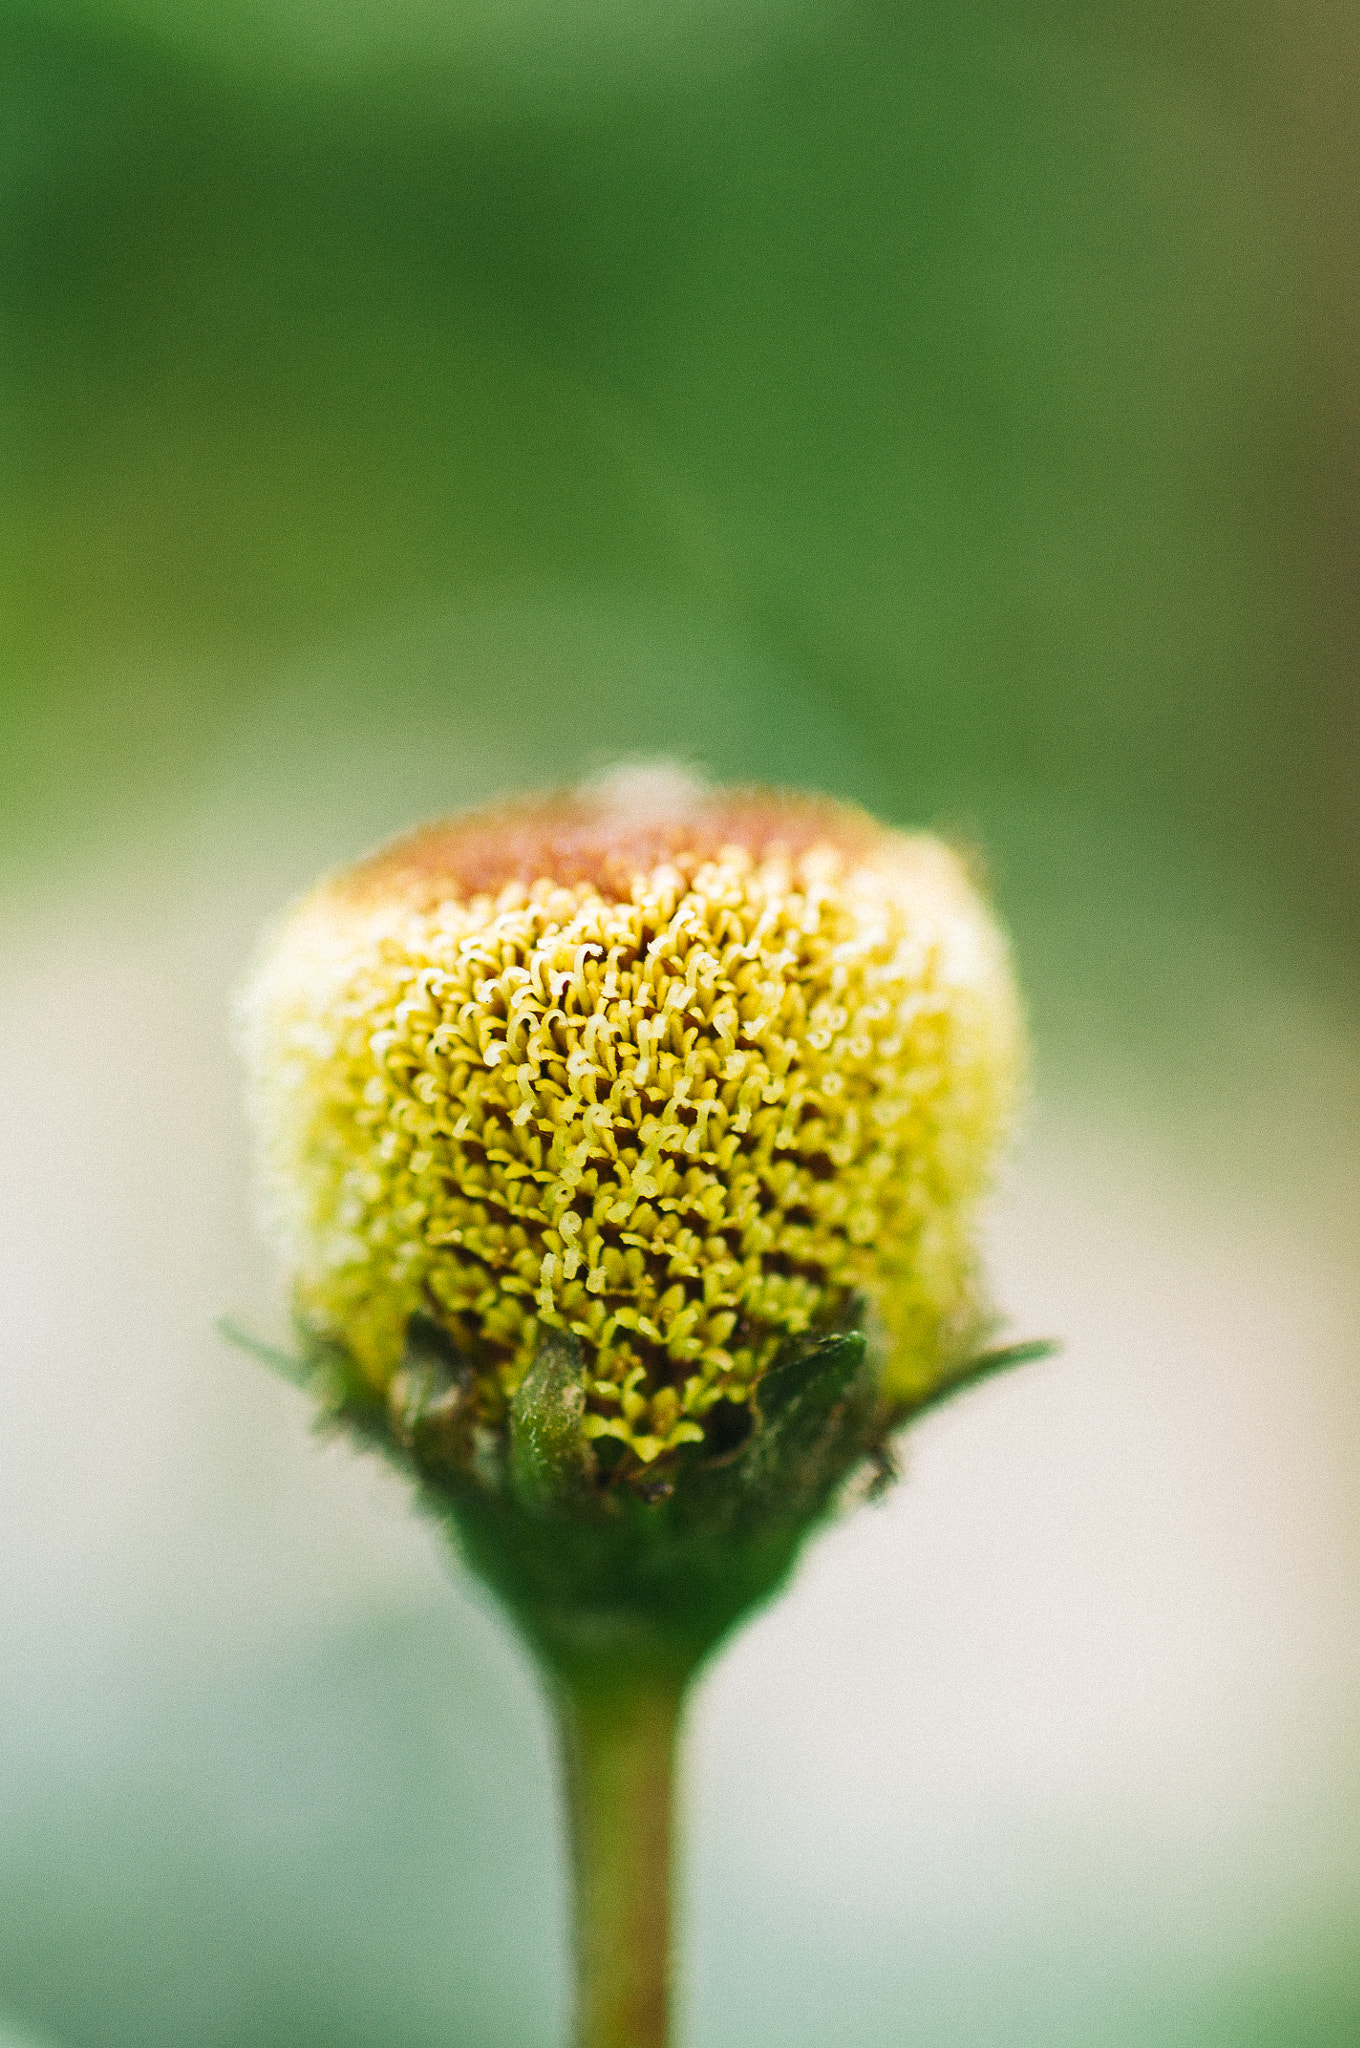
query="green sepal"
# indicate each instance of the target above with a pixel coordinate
(431, 1401)
(551, 1462)
(979, 1366)
(814, 1410)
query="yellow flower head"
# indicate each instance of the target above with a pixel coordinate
(682, 1071)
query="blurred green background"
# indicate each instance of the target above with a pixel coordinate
(953, 407)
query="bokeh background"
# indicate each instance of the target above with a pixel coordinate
(951, 406)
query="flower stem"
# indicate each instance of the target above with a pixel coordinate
(618, 1747)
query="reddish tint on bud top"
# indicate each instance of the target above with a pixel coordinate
(682, 1070)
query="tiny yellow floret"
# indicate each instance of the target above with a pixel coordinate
(680, 1070)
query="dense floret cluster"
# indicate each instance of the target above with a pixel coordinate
(681, 1071)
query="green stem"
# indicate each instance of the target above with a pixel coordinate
(618, 1746)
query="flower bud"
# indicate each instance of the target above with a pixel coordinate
(682, 1074)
